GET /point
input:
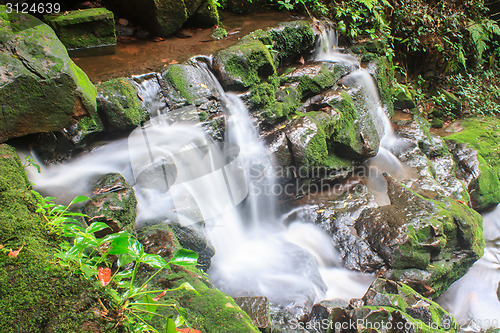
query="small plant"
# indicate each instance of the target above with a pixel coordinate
(56, 215)
(114, 260)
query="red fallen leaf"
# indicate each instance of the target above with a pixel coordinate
(188, 330)
(157, 298)
(14, 254)
(462, 202)
(104, 275)
(173, 62)
(301, 60)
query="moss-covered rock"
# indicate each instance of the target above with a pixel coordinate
(38, 295)
(219, 33)
(89, 30)
(482, 134)
(206, 15)
(118, 105)
(113, 202)
(388, 306)
(245, 64)
(427, 244)
(41, 89)
(316, 78)
(384, 74)
(437, 123)
(209, 310)
(292, 39)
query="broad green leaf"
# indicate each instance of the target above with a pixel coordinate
(188, 286)
(78, 199)
(109, 238)
(184, 257)
(125, 244)
(170, 327)
(154, 260)
(96, 226)
(151, 307)
(125, 259)
(122, 275)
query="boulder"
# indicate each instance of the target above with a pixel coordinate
(118, 105)
(162, 17)
(85, 32)
(244, 64)
(113, 202)
(257, 307)
(481, 170)
(388, 306)
(208, 309)
(292, 39)
(41, 89)
(38, 294)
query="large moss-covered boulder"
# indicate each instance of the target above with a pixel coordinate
(481, 171)
(207, 309)
(85, 31)
(38, 295)
(427, 244)
(245, 64)
(41, 89)
(388, 306)
(162, 17)
(119, 106)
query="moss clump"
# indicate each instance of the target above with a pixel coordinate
(84, 28)
(118, 105)
(483, 134)
(385, 79)
(245, 64)
(326, 78)
(37, 294)
(219, 33)
(291, 39)
(437, 123)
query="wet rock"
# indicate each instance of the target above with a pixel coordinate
(113, 202)
(427, 244)
(283, 322)
(194, 238)
(85, 32)
(41, 89)
(321, 314)
(498, 291)
(480, 172)
(316, 77)
(257, 307)
(403, 99)
(209, 308)
(118, 105)
(278, 147)
(392, 307)
(247, 63)
(162, 17)
(190, 84)
(206, 15)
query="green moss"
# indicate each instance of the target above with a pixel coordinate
(219, 33)
(326, 78)
(249, 62)
(84, 28)
(437, 123)
(37, 294)
(316, 150)
(118, 105)
(483, 134)
(291, 39)
(385, 79)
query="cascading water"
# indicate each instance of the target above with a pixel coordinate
(327, 50)
(179, 174)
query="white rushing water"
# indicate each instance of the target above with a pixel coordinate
(180, 174)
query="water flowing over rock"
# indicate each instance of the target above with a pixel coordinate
(33, 63)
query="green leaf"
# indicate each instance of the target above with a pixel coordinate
(89, 271)
(188, 286)
(184, 257)
(96, 226)
(78, 199)
(124, 260)
(151, 307)
(170, 327)
(154, 260)
(126, 244)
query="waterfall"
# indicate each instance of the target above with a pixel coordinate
(327, 50)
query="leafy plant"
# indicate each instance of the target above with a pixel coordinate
(131, 301)
(57, 215)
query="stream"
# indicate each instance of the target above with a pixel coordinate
(180, 174)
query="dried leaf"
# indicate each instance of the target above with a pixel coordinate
(188, 330)
(302, 61)
(173, 62)
(14, 254)
(157, 298)
(104, 275)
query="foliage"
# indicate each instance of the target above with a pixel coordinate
(132, 303)
(479, 93)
